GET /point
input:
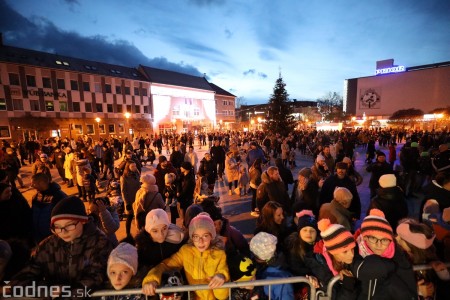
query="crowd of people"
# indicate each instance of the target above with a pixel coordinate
(311, 224)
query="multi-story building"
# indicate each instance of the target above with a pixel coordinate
(44, 94)
(394, 88)
(225, 108)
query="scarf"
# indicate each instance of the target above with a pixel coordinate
(364, 249)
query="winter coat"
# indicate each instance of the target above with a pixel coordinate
(255, 177)
(285, 151)
(192, 158)
(198, 267)
(337, 214)
(129, 185)
(208, 169)
(279, 291)
(160, 172)
(253, 154)
(231, 169)
(306, 199)
(176, 158)
(41, 167)
(147, 198)
(15, 218)
(391, 201)
(330, 184)
(59, 158)
(218, 154)
(385, 278)
(434, 191)
(186, 190)
(42, 204)
(151, 253)
(296, 264)
(319, 173)
(378, 169)
(108, 222)
(233, 238)
(80, 264)
(80, 165)
(285, 173)
(270, 190)
(68, 166)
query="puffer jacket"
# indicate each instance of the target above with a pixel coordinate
(231, 169)
(129, 185)
(42, 204)
(198, 267)
(391, 201)
(80, 264)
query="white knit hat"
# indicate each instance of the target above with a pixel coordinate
(263, 245)
(155, 217)
(148, 179)
(202, 220)
(387, 180)
(169, 178)
(125, 254)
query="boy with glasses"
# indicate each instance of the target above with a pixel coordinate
(73, 260)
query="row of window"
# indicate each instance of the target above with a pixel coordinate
(63, 106)
(74, 86)
(226, 112)
(226, 102)
(90, 128)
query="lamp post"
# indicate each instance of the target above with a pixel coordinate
(127, 116)
(98, 126)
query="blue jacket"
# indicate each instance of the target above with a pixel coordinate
(279, 291)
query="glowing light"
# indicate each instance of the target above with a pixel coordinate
(97, 120)
(396, 69)
(127, 115)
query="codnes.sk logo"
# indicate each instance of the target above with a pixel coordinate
(43, 291)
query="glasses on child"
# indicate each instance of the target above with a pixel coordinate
(374, 240)
(204, 237)
(66, 228)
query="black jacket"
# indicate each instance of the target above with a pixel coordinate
(392, 202)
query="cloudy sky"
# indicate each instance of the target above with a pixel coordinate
(241, 45)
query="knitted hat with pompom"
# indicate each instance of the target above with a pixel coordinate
(335, 237)
(375, 224)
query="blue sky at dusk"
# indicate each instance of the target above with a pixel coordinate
(241, 45)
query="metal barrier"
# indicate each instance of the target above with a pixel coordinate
(229, 285)
(320, 295)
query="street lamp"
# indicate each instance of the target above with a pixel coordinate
(98, 125)
(127, 116)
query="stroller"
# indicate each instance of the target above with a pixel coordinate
(114, 195)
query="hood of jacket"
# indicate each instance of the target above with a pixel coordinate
(391, 193)
(266, 178)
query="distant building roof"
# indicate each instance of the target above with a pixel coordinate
(56, 61)
(220, 90)
(175, 78)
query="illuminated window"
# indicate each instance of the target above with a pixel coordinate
(79, 129)
(196, 111)
(111, 128)
(89, 129)
(176, 110)
(4, 132)
(62, 106)
(49, 106)
(2, 104)
(121, 128)
(101, 128)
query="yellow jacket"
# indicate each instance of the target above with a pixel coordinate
(198, 267)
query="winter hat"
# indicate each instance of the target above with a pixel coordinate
(43, 155)
(381, 153)
(155, 217)
(202, 220)
(341, 165)
(387, 181)
(148, 179)
(192, 211)
(169, 178)
(320, 157)
(186, 165)
(336, 238)
(305, 172)
(342, 194)
(416, 239)
(263, 245)
(414, 145)
(125, 254)
(306, 218)
(241, 267)
(162, 158)
(347, 160)
(376, 224)
(70, 208)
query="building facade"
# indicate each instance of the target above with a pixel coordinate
(43, 95)
(395, 87)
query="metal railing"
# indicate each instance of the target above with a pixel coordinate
(314, 294)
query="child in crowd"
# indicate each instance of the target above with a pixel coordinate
(122, 270)
(158, 240)
(243, 180)
(76, 255)
(170, 193)
(201, 190)
(416, 239)
(263, 246)
(380, 265)
(114, 195)
(440, 222)
(89, 184)
(147, 198)
(105, 217)
(333, 256)
(203, 260)
(243, 269)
